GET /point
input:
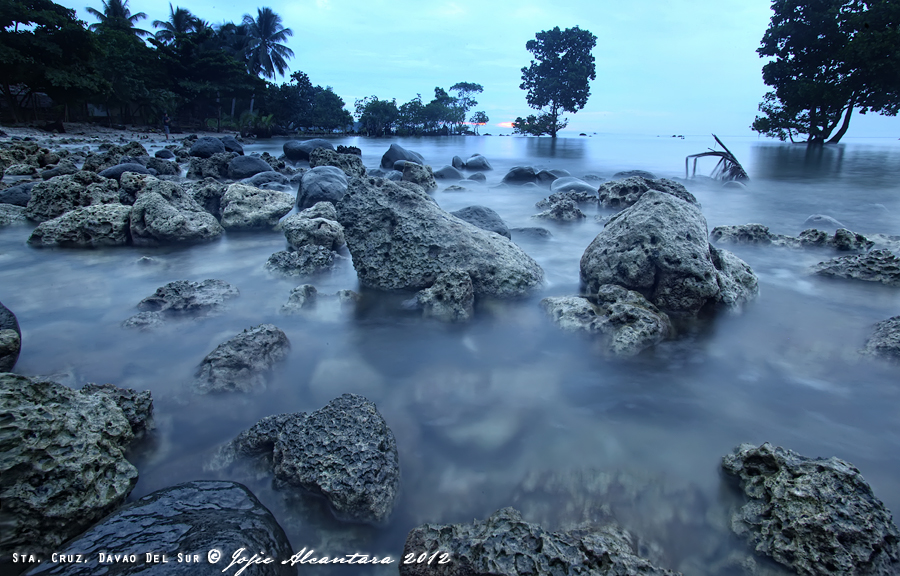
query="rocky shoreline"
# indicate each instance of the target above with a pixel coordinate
(651, 273)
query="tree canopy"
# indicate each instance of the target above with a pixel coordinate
(557, 79)
(828, 58)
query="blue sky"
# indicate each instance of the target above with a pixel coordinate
(675, 67)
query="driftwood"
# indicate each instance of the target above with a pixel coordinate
(726, 170)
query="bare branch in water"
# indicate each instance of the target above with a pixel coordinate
(726, 170)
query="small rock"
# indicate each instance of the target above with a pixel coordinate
(242, 363)
(876, 266)
(885, 340)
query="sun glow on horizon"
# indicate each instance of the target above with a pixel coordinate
(505, 125)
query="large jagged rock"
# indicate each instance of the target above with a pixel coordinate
(816, 516)
(450, 299)
(243, 363)
(64, 193)
(314, 226)
(624, 193)
(626, 322)
(164, 213)
(208, 194)
(397, 152)
(885, 340)
(658, 247)
(178, 526)
(10, 339)
(215, 166)
(63, 466)
(419, 175)
(344, 452)
(89, 227)
(400, 239)
(351, 164)
(875, 266)
(246, 207)
(506, 545)
(321, 184)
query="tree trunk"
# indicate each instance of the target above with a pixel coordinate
(846, 124)
(554, 114)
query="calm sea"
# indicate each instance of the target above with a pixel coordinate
(483, 412)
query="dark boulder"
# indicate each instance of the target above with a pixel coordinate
(533, 232)
(321, 184)
(165, 154)
(484, 218)
(18, 195)
(571, 184)
(397, 152)
(295, 150)
(270, 180)
(206, 146)
(116, 171)
(478, 162)
(458, 163)
(631, 173)
(448, 173)
(242, 167)
(10, 339)
(477, 177)
(232, 145)
(520, 175)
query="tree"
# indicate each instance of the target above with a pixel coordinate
(558, 77)
(377, 117)
(265, 53)
(180, 22)
(830, 57)
(537, 125)
(117, 16)
(464, 99)
(479, 119)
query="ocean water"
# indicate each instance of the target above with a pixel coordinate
(509, 410)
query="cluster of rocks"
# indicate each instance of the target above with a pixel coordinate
(757, 234)
(315, 242)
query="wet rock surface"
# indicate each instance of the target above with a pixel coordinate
(563, 210)
(183, 297)
(164, 213)
(308, 260)
(64, 193)
(450, 299)
(419, 175)
(314, 226)
(351, 164)
(344, 452)
(296, 150)
(88, 227)
(247, 207)
(885, 340)
(321, 184)
(188, 519)
(484, 218)
(876, 266)
(243, 363)
(10, 339)
(620, 194)
(397, 152)
(63, 465)
(506, 545)
(816, 516)
(400, 239)
(12, 215)
(842, 239)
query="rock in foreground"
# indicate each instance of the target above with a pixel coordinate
(400, 239)
(183, 523)
(506, 545)
(816, 516)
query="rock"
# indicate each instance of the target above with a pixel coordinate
(270, 180)
(63, 465)
(478, 162)
(321, 184)
(216, 166)
(632, 173)
(419, 175)
(164, 213)
(145, 321)
(232, 145)
(626, 322)
(20, 170)
(450, 299)
(822, 222)
(532, 232)
(884, 342)
(10, 214)
(458, 163)
(448, 173)
(579, 198)
(242, 167)
(295, 150)
(506, 545)
(10, 339)
(136, 406)
(520, 175)
(64, 193)
(570, 184)
(546, 178)
(245, 207)
(741, 234)
(658, 247)
(88, 227)
(351, 164)
(623, 193)
(165, 154)
(757, 234)
(477, 177)
(163, 167)
(183, 297)
(64, 167)
(876, 266)
(206, 146)
(116, 172)
(208, 194)
(306, 261)
(484, 218)
(397, 152)
(815, 516)
(847, 241)
(341, 149)
(400, 239)
(301, 299)
(181, 523)
(344, 452)
(17, 195)
(243, 363)
(303, 229)
(562, 211)
(738, 284)
(390, 174)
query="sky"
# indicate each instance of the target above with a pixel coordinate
(663, 67)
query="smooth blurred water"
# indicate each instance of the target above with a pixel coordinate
(476, 409)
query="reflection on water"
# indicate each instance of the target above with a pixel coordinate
(509, 410)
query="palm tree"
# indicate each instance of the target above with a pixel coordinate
(265, 53)
(180, 21)
(117, 15)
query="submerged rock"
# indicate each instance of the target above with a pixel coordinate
(63, 465)
(10, 339)
(842, 239)
(397, 152)
(578, 197)
(308, 260)
(181, 523)
(344, 452)
(18, 195)
(400, 239)
(184, 297)
(243, 363)
(11, 214)
(875, 266)
(518, 175)
(624, 193)
(477, 162)
(506, 545)
(306, 300)
(88, 227)
(885, 340)
(822, 222)
(563, 210)
(215, 166)
(816, 516)
(450, 299)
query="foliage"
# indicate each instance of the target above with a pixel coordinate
(377, 117)
(829, 57)
(479, 119)
(180, 23)
(299, 104)
(264, 51)
(538, 125)
(117, 16)
(558, 76)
